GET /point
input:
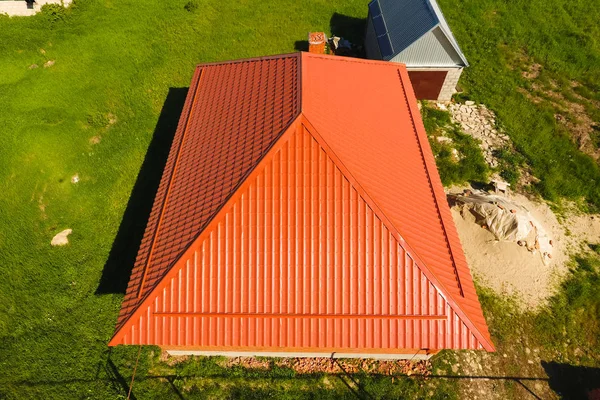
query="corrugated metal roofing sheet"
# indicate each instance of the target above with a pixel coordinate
(299, 260)
(433, 49)
(384, 146)
(234, 113)
(405, 22)
(341, 231)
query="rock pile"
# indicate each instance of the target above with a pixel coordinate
(349, 366)
(327, 365)
(479, 122)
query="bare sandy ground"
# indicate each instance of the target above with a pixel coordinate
(508, 268)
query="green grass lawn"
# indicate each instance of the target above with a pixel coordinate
(94, 113)
(501, 40)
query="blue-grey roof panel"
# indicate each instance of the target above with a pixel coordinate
(379, 26)
(407, 21)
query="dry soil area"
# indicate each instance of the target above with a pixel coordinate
(508, 268)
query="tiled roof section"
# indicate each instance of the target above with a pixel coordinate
(385, 149)
(234, 113)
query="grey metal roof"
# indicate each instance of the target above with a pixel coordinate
(400, 23)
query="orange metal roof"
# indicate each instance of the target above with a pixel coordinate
(233, 114)
(331, 232)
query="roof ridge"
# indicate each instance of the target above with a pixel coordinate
(250, 59)
(353, 60)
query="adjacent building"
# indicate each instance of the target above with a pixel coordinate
(415, 32)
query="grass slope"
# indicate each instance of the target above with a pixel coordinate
(500, 40)
(115, 63)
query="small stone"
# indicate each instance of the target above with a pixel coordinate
(456, 155)
(441, 106)
(443, 139)
(75, 178)
(33, 66)
(60, 239)
(42, 51)
(529, 361)
(527, 351)
(469, 103)
(49, 63)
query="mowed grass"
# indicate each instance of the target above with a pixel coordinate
(93, 113)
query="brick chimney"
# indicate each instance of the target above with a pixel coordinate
(316, 42)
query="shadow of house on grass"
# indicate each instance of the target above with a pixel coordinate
(573, 382)
(121, 259)
(350, 28)
(301, 45)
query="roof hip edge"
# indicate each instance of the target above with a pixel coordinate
(377, 209)
(484, 339)
(428, 174)
(166, 199)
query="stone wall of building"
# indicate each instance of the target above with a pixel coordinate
(449, 87)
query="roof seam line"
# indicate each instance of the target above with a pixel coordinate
(437, 206)
(171, 179)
